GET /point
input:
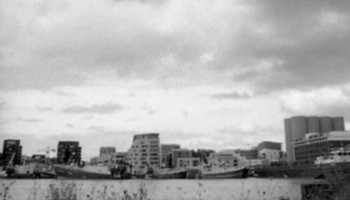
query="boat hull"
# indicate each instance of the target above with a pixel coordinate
(66, 172)
(169, 175)
(225, 174)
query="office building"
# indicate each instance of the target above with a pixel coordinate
(165, 153)
(297, 127)
(144, 152)
(107, 151)
(12, 150)
(316, 144)
(68, 152)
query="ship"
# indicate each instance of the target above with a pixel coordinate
(82, 171)
(223, 173)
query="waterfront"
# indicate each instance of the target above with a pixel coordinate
(251, 188)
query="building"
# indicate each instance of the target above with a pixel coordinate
(248, 154)
(180, 153)
(316, 144)
(165, 153)
(269, 152)
(298, 126)
(12, 150)
(107, 151)
(68, 152)
(271, 155)
(145, 151)
(269, 145)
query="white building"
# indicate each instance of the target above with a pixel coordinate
(145, 151)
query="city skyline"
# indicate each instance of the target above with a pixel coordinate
(204, 74)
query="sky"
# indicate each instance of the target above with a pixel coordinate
(217, 74)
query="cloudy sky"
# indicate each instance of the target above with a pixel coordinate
(204, 74)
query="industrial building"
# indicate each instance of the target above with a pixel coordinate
(315, 144)
(144, 152)
(297, 127)
(68, 152)
(12, 150)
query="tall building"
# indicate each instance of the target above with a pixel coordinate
(297, 127)
(145, 151)
(316, 144)
(165, 153)
(107, 151)
(12, 148)
(68, 152)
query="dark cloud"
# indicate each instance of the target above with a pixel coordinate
(98, 109)
(33, 120)
(231, 95)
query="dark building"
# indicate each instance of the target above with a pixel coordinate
(107, 151)
(12, 148)
(68, 152)
(269, 145)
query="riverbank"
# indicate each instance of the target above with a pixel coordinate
(226, 189)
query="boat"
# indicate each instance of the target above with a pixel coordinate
(31, 170)
(338, 156)
(75, 171)
(223, 172)
(335, 166)
(167, 173)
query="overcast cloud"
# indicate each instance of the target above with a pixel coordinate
(176, 66)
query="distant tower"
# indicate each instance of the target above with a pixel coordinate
(313, 124)
(338, 123)
(326, 124)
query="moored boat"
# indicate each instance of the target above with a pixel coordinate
(91, 172)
